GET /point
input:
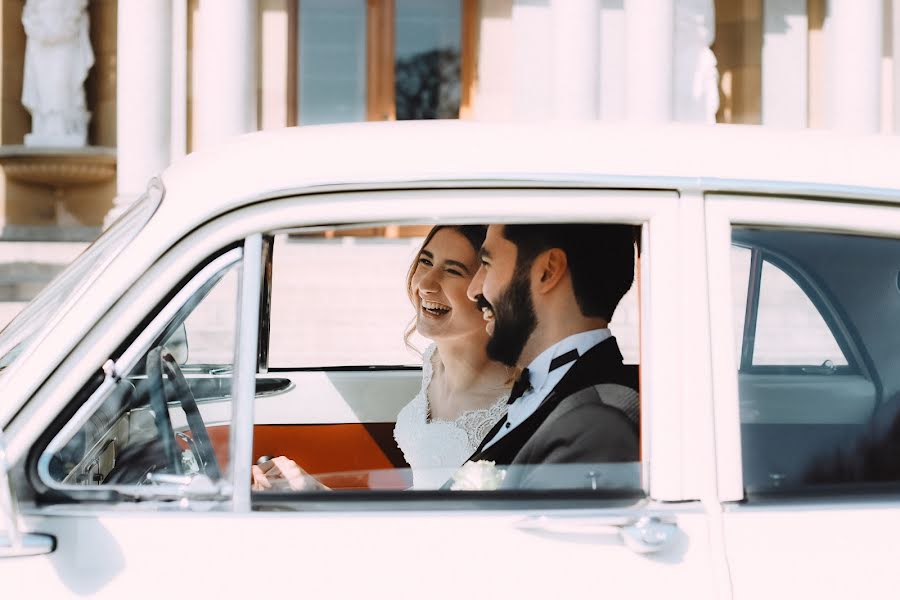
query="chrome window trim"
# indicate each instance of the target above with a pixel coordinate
(605, 182)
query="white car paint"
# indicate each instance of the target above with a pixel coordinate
(691, 456)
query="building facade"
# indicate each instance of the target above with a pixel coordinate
(173, 76)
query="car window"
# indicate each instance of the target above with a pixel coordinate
(166, 413)
(340, 300)
(786, 328)
(820, 398)
(342, 366)
(342, 331)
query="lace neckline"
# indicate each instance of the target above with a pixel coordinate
(463, 417)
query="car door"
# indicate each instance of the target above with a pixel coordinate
(807, 421)
(654, 535)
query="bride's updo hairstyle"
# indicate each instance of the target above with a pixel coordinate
(474, 234)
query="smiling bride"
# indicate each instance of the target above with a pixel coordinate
(463, 392)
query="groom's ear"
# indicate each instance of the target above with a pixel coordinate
(549, 269)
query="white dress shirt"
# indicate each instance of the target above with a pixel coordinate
(543, 380)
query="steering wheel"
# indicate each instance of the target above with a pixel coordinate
(161, 362)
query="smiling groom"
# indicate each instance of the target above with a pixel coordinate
(548, 293)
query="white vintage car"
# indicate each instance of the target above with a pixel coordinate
(252, 303)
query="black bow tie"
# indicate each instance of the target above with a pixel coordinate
(523, 383)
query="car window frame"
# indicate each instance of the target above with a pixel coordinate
(844, 212)
(657, 210)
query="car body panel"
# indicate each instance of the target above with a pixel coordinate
(685, 186)
(689, 550)
(354, 553)
(829, 544)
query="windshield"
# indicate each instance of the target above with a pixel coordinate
(46, 307)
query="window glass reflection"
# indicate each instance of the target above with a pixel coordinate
(427, 55)
(332, 46)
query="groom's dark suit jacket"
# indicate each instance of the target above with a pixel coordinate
(574, 424)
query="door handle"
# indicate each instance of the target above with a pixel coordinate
(26, 544)
(643, 534)
(648, 534)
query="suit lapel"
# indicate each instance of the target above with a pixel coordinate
(600, 364)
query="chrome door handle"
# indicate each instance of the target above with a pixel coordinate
(26, 544)
(643, 534)
(648, 534)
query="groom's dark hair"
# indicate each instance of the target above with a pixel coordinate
(600, 259)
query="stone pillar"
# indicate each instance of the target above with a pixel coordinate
(532, 89)
(695, 83)
(493, 94)
(612, 61)
(224, 75)
(785, 64)
(179, 118)
(853, 33)
(576, 68)
(649, 43)
(143, 90)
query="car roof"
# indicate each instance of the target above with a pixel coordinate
(391, 154)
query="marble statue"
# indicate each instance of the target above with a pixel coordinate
(58, 56)
(696, 79)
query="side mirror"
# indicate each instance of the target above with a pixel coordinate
(177, 344)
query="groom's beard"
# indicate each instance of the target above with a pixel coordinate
(514, 321)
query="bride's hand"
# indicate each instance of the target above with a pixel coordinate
(281, 473)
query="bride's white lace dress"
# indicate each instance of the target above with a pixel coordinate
(435, 449)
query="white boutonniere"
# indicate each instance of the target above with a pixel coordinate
(478, 475)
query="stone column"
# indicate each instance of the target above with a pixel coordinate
(493, 94)
(532, 85)
(224, 75)
(853, 33)
(179, 78)
(612, 61)
(649, 43)
(143, 91)
(785, 63)
(576, 68)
